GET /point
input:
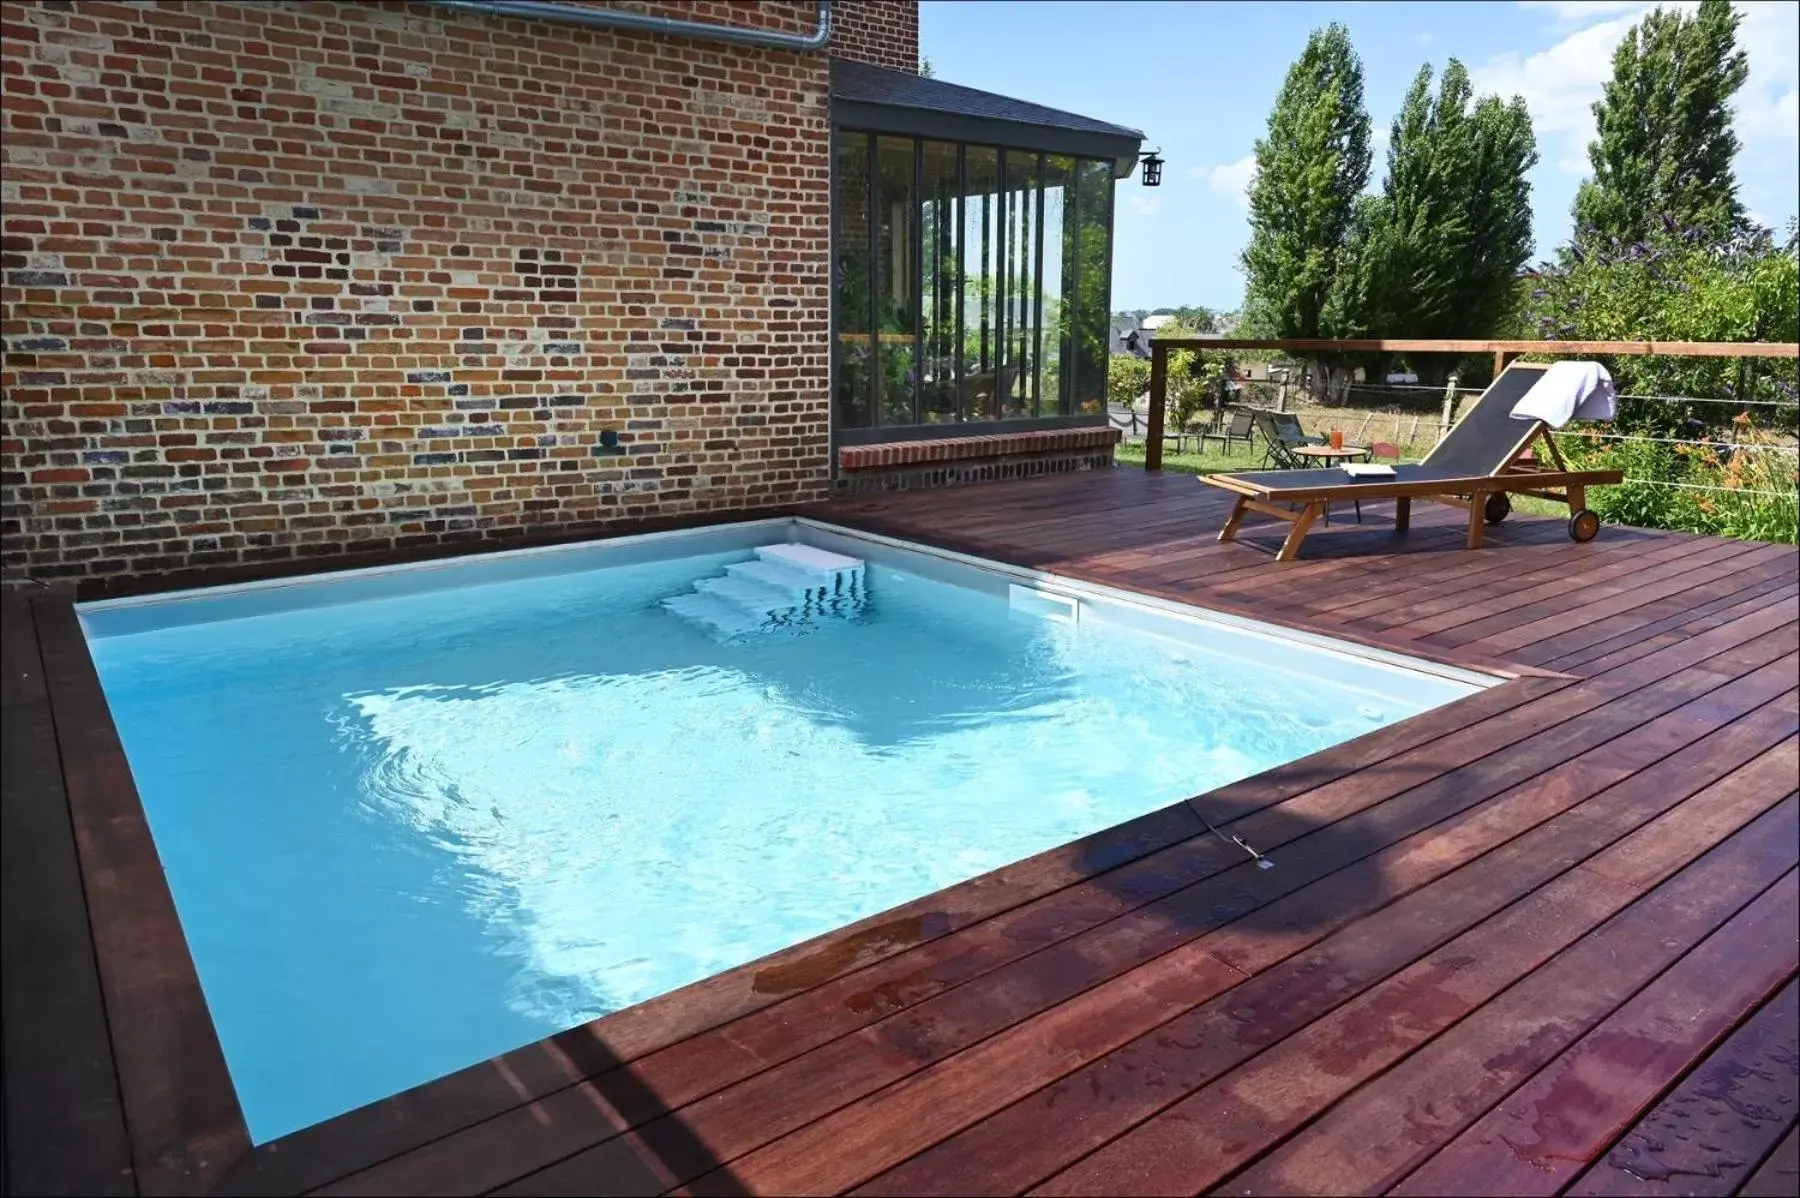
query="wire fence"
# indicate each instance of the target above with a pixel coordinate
(1659, 482)
(1448, 391)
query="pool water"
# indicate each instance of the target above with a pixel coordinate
(415, 826)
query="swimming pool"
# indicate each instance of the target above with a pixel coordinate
(413, 818)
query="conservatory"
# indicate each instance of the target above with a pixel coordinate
(972, 265)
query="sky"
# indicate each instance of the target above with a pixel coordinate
(1199, 80)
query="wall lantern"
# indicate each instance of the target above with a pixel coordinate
(1152, 169)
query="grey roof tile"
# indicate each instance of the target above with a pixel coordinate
(867, 84)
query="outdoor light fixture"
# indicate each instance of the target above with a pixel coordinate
(1152, 169)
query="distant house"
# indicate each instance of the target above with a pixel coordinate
(1129, 337)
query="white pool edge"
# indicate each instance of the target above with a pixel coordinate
(1186, 612)
(786, 527)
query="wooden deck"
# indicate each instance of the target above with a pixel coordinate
(1541, 940)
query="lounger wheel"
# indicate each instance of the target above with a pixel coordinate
(1497, 508)
(1584, 525)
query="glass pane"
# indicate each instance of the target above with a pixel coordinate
(981, 267)
(850, 278)
(1059, 247)
(896, 205)
(1092, 285)
(939, 282)
(1019, 320)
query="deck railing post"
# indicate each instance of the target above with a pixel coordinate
(1159, 382)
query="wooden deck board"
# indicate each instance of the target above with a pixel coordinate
(1141, 1009)
(1779, 1174)
(1106, 1098)
(64, 1128)
(1713, 1129)
(1567, 1115)
(184, 1123)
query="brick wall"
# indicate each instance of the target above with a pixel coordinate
(959, 461)
(882, 32)
(293, 279)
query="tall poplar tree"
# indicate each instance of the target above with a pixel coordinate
(1663, 143)
(1310, 168)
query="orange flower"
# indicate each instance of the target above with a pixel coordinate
(1742, 420)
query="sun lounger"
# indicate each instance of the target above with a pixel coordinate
(1476, 466)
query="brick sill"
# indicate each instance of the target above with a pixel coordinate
(951, 449)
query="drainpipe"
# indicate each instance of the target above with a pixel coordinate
(615, 18)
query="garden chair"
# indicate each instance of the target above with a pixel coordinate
(1289, 424)
(1279, 441)
(1241, 428)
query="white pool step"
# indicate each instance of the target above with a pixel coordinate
(716, 615)
(776, 576)
(783, 585)
(754, 597)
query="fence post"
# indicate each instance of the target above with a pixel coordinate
(1501, 359)
(1159, 382)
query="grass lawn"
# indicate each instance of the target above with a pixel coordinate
(1213, 461)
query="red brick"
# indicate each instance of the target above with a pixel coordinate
(452, 179)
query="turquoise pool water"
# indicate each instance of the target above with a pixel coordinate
(417, 819)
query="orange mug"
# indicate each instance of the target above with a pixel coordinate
(1337, 438)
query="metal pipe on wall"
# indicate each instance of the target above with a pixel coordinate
(615, 18)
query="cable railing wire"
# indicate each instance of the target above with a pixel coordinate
(1657, 482)
(1462, 391)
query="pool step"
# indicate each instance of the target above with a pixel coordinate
(783, 585)
(754, 597)
(716, 615)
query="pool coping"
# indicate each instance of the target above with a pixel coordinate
(186, 1131)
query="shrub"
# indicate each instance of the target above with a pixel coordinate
(1747, 491)
(1127, 378)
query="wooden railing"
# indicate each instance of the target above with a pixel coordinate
(1503, 351)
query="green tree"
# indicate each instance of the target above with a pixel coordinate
(1663, 141)
(1744, 288)
(1499, 215)
(1127, 378)
(1438, 252)
(1310, 168)
(1196, 318)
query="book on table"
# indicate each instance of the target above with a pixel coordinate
(1368, 470)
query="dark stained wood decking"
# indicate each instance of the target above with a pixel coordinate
(1541, 940)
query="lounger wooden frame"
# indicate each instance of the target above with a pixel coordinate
(1311, 491)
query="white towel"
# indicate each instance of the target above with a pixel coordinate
(1569, 391)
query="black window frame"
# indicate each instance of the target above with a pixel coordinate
(1065, 415)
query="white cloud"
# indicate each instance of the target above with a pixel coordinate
(1768, 109)
(1233, 179)
(1561, 83)
(1573, 11)
(1144, 205)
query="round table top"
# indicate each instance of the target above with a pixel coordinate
(1326, 451)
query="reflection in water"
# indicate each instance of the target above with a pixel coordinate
(618, 836)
